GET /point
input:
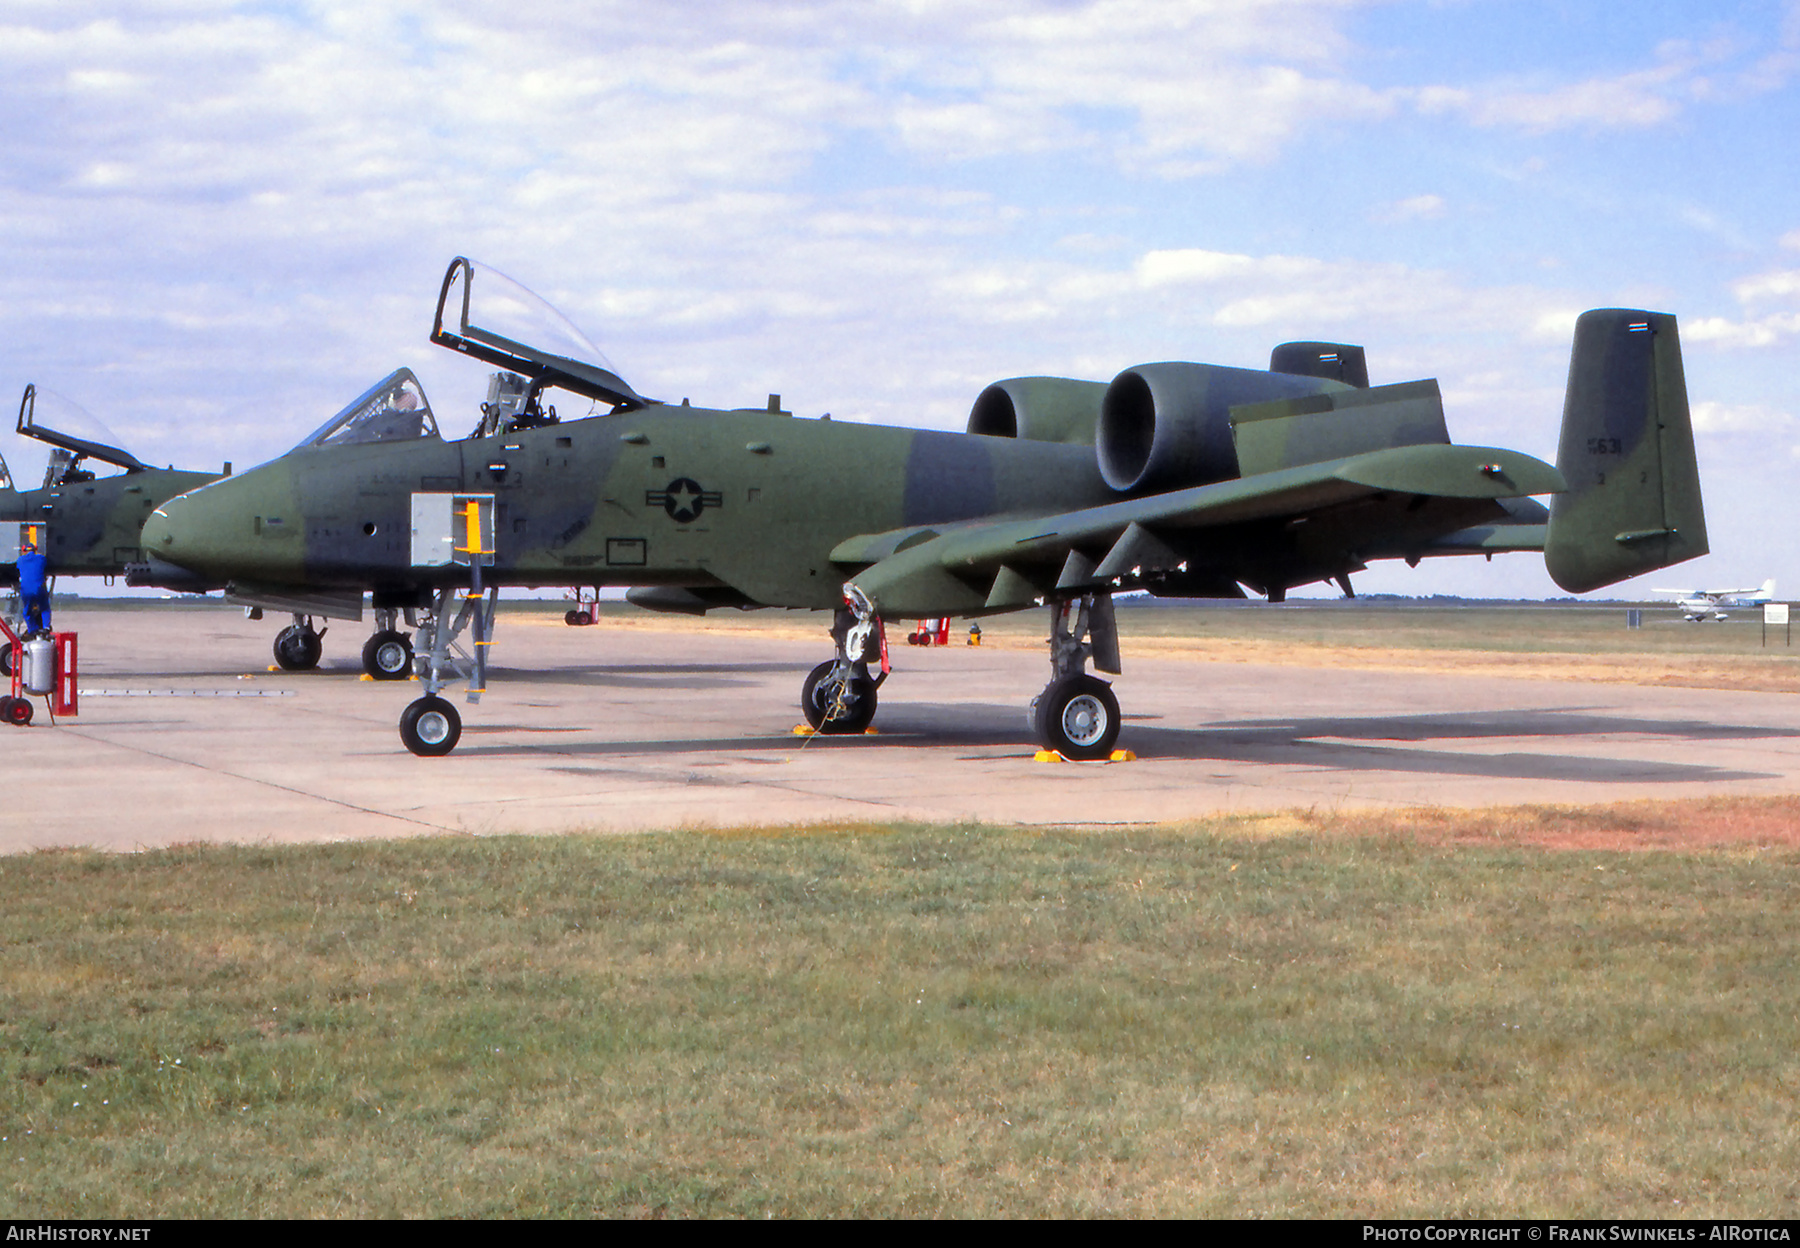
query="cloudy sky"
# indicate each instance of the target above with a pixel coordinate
(221, 221)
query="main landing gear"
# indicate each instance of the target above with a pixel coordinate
(430, 726)
(388, 655)
(298, 646)
(1077, 715)
(839, 694)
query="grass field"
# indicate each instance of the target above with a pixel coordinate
(1297, 1015)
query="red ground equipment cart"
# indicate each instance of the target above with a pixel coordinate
(42, 665)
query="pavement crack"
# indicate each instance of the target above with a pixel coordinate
(269, 784)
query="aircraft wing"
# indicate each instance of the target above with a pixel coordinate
(1006, 562)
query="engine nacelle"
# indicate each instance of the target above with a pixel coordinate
(1166, 426)
(1039, 409)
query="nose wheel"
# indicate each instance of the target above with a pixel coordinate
(430, 727)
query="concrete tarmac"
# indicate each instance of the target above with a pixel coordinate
(185, 736)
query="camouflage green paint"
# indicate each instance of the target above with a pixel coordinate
(601, 502)
(1311, 430)
(751, 507)
(1039, 409)
(1163, 426)
(94, 527)
(1627, 450)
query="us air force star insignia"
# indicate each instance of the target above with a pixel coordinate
(684, 500)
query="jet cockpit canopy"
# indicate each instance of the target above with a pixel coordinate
(392, 410)
(486, 314)
(75, 433)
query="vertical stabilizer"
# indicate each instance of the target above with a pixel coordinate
(1627, 453)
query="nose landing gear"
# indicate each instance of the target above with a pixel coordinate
(430, 726)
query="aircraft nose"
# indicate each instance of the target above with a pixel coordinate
(198, 531)
(159, 535)
(168, 535)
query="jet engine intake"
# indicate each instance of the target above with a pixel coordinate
(1039, 409)
(1168, 426)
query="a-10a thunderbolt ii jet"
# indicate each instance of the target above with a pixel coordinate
(89, 523)
(1184, 479)
(85, 523)
(394, 408)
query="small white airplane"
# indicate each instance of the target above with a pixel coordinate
(1699, 605)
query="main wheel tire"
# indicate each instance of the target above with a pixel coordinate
(297, 649)
(17, 711)
(6, 659)
(430, 727)
(388, 655)
(829, 713)
(1078, 717)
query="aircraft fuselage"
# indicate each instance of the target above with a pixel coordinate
(743, 501)
(93, 528)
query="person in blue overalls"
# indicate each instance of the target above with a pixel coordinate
(34, 590)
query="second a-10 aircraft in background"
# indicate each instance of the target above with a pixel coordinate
(1183, 479)
(85, 522)
(88, 516)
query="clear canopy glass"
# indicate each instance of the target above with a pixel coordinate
(50, 417)
(493, 306)
(485, 314)
(392, 410)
